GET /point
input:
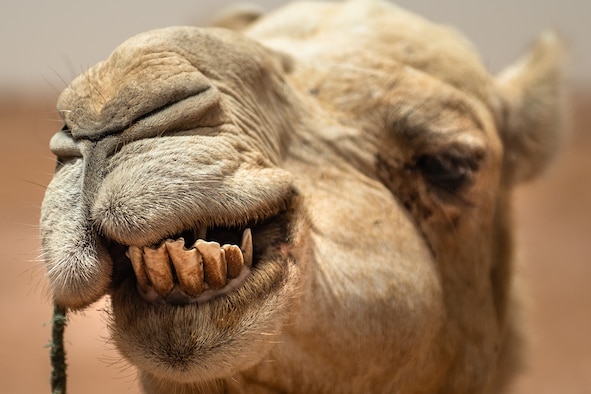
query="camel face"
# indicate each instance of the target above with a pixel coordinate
(319, 203)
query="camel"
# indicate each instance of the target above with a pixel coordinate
(313, 200)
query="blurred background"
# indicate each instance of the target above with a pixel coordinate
(44, 44)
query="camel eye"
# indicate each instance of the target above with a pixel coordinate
(448, 172)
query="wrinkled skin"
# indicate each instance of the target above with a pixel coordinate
(371, 156)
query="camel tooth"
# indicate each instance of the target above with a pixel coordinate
(214, 263)
(158, 269)
(137, 262)
(234, 260)
(246, 247)
(188, 265)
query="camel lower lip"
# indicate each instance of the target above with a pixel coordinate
(172, 273)
(178, 297)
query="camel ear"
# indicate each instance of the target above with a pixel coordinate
(532, 96)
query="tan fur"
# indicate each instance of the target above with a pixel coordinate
(380, 155)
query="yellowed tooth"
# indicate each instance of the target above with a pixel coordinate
(246, 247)
(158, 269)
(137, 262)
(234, 260)
(214, 263)
(188, 265)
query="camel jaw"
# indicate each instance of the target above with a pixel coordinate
(223, 322)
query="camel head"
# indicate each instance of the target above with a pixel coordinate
(319, 202)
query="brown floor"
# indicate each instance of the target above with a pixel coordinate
(553, 227)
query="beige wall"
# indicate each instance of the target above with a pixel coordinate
(54, 40)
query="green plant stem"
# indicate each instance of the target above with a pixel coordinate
(58, 352)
